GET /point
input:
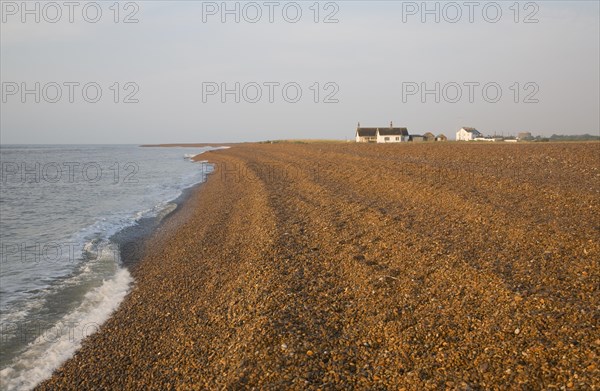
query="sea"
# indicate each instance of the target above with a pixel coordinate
(72, 220)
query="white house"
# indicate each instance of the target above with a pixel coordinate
(381, 135)
(366, 135)
(467, 134)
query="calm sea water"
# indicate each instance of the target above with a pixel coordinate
(62, 271)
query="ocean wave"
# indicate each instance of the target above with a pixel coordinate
(57, 344)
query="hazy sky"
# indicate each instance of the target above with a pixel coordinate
(370, 65)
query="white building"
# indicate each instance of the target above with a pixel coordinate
(381, 135)
(467, 134)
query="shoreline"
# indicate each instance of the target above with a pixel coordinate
(132, 240)
(191, 145)
(293, 267)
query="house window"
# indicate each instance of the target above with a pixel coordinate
(387, 139)
(397, 138)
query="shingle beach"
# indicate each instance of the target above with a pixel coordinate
(381, 267)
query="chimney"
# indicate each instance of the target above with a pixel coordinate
(391, 125)
(358, 125)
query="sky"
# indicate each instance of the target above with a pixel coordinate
(192, 71)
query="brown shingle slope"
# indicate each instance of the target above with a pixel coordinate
(318, 266)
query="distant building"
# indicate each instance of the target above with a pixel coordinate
(366, 135)
(441, 137)
(381, 135)
(417, 138)
(429, 136)
(468, 134)
(523, 136)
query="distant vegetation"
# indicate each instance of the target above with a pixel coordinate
(562, 137)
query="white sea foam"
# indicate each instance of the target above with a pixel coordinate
(167, 210)
(101, 255)
(55, 345)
